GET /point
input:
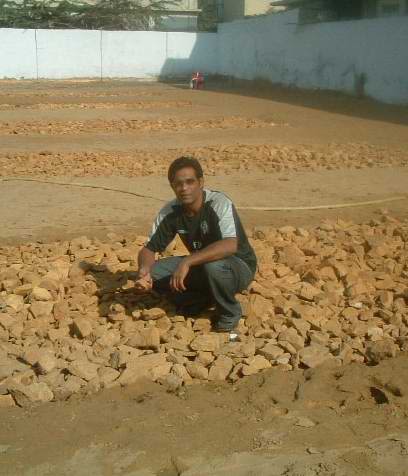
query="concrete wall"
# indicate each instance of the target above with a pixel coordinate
(364, 56)
(359, 57)
(18, 54)
(59, 54)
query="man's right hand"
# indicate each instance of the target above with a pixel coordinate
(144, 283)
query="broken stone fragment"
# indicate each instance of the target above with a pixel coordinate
(314, 355)
(81, 327)
(206, 342)
(141, 367)
(25, 395)
(40, 294)
(153, 314)
(221, 368)
(254, 365)
(197, 370)
(83, 369)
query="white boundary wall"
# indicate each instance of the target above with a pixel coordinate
(61, 54)
(335, 55)
(342, 56)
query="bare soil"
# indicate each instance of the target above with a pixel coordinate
(264, 147)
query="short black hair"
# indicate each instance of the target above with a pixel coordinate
(183, 162)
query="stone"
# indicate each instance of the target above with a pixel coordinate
(6, 321)
(180, 371)
(305, 422)
(82, 328)
(25, 395)
(107, 376)
(291, 335)
(141, 367)
(205, 358)
(221, 368)
(254, 365)
(153, 314)
(171, 382)
(160, 371)
(83, 369)
(206, 342)
(40, 294)
(378, 351)
(41, 310)
(7, 401)
(46, 363)
(313, 356)
(146, 339)
(270, 351)
(15, 302)
(197, 370)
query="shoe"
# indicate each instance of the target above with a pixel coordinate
(233, 334)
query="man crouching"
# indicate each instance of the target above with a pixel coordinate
(221, 262)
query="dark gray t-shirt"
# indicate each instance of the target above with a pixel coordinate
(217, 219)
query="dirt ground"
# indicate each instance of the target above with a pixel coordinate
(265, 147)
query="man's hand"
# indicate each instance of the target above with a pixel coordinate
(177, 280)
(144, 283)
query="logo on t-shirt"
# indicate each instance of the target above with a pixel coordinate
(197, 245)
(204, 228)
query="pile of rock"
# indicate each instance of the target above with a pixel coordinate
(215, 160)
(127, 125)
(70, 321)
(47, 106)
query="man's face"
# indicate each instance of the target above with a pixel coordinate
(187, 187)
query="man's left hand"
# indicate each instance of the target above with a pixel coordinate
(177, 280)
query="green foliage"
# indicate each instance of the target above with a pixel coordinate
(208, 18)
(104, 14)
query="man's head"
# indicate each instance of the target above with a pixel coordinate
(186, 179)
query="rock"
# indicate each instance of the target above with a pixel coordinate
(377, 351)
(153, 314)
(83, 369)
(107, 376)
(160, 371)
(46, 362)
(291, 335)
(40, 294)
(196, 370)
(6, 321)
(205, 358)
(313, 356)
(171, 382)
(141, 367)
(221, 368)
(305, 422)
(254, 365)
(180, 371)
(206, 342)
(7, 401)
(41, 310)
(270, 351)
(36, 392)
(146, 339)
(82, 328)
(15, 302)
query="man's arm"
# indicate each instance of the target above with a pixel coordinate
(218, 250)
(145, 261)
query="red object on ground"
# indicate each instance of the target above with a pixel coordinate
(197, 80)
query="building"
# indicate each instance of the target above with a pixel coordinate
(311, 11)
(239, 9)
(183, 16)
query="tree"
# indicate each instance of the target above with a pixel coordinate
(104, 14)
(209, 16)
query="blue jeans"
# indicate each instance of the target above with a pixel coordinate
(216, 283)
